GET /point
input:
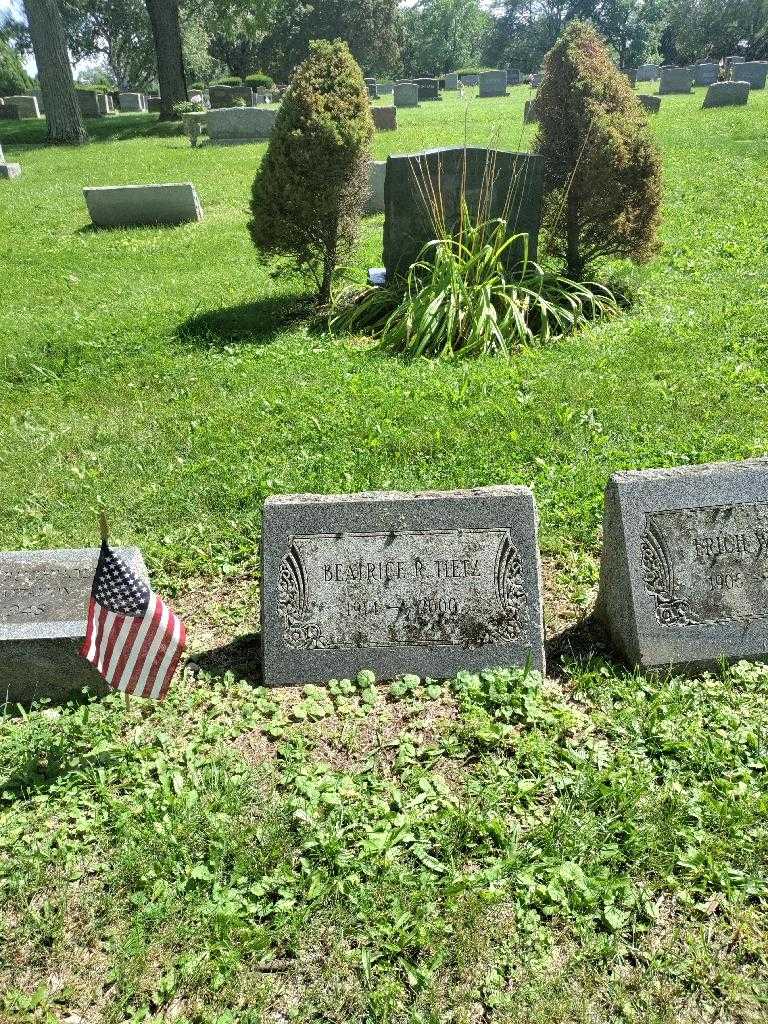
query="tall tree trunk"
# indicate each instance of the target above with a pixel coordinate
(166, 32)
(49, 42)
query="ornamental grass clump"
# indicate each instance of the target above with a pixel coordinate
(602, 176)
(462, 299)
(310, 189)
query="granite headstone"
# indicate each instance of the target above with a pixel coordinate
(134, 205)
(232, 125)
(726, 94)
(752, 71)
(675, 80)
(406, 94)
(430, 583)
(705, 74)
(651, 103)
(385, 118)
(43, 606)
(684, 576)
(495, 183)
(492, 83)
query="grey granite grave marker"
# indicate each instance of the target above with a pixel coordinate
(154, 104)
(495, 183)
(470, 79)
(428, 89)
(229, 96)
(726, 94)
(406, 94)
(705, 74)
(8, 171)
(43, 606)
(133, 205)
(651, 103)
(133, 102)
(530, 114)
(752, 71)
(647, 73)
(377, 170)
(514, 77)
(675, 80)
(385, 118)
(492, 83)
(230, 125)
(430, 583)
(451, 81)
(88, 102)
(26, 107)
(386, 88)
(684, 576)
(371, 86)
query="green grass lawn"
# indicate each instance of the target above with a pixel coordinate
(590, 848)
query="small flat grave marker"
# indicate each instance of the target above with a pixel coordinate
(43, 605)
(132, 205)
(430, 583)
(684, 576)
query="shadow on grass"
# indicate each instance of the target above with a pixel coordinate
(241, 657)
(118, 128)
(255, 323)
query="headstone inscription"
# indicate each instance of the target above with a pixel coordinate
(430, 583)
(133, 102)
(675, 80)
(385, 118)
(684, 576)
(495, 183)
(231, 125)
(43, 606)
(26, 107)
(705, 74)
(451, 81)
(492, 83)
(651, 103)
(117, 206)
(406, 94)
(726, 94)
(752, 71)
(8, 171)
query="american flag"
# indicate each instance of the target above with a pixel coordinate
(133, 639)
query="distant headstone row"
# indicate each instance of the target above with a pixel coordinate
(439, 582)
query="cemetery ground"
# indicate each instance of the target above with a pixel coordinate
(588, 848)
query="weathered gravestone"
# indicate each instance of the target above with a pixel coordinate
(428, 89)
(230, 96)
(430, 583)
(726, 94)
(684, 576)
(530, 114)
(134, 205)
(495, 183)
(386, 88)
(752, 71)
(470, 79)
(514, 77)
(705, 74)
(647, 73)
(43, 605)
(651, 103)
(104, 101)
(451, 81)
(385, 118)
(406, 94)
(8, 112)
(373, 91)
(133, 102)
(26, 107)
(492, 83)
(89, 103)
(377, 170)
(231, 125)
(675, 80)
(7, 170)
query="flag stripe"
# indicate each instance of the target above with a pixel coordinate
(125, 653)
(121, 633)
(85, 650)
(124, 683)
(143, 670)
(170, 661)
(103, 613)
